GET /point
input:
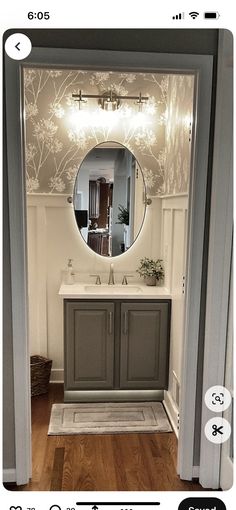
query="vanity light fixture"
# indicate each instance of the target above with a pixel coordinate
(110, 101)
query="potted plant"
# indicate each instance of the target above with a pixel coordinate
(151, 270)
(123, 215)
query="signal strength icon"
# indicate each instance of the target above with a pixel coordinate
(194, 14)
(179, 16)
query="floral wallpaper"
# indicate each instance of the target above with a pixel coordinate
(58, 135)
(178, 134)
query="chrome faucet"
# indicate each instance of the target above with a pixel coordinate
(125, 281)
(111, 280)
(98, 279)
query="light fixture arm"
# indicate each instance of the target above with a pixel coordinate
(109, 97)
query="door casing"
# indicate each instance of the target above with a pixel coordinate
(201, 67)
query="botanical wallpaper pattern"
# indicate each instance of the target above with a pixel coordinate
(58, 135)
(178, 134)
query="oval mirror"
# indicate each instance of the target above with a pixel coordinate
(109, 199)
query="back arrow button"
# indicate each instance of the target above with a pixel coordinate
(18, 46)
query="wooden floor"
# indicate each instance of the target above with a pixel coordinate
(118, 462)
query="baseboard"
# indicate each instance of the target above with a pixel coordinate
(57, 375)
(172, 412)
(113, 395)
(9, 475)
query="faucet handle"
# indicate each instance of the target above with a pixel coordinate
(125, 281)
(98, 279)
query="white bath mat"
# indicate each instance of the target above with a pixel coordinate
(108, 418)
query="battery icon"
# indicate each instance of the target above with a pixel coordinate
(211, 15)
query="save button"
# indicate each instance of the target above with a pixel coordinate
(202, 504)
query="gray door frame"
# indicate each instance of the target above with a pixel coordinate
(220, 251)
(201, 66)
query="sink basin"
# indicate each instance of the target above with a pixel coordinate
(112, 289)
(86, 290)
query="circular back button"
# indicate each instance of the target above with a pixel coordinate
(18, 46)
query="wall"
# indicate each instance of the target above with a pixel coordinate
(58, 135)
(53, 236)
(54, 152)
(175, 222)
(179, 120)
(174, 238)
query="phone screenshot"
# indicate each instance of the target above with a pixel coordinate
(117, 308)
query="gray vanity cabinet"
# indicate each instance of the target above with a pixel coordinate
(89, 345)
(144, 345)
(116, 345)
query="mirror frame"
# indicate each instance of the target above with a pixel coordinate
(146, 201)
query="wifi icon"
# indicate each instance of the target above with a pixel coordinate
(194, 14)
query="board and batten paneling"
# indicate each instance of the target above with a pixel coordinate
(53, 237)
(174, 239)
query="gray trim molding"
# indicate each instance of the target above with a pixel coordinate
(220, 247)
(201, 66)
(9, 475)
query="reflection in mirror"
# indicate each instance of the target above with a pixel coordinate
(109, 199)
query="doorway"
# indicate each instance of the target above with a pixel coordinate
(196, 221)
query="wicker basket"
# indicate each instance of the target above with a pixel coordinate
(40, 369)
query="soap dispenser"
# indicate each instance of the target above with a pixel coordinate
(69, 276)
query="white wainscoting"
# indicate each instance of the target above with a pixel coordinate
(53, 237)
(172, 412)
(173, 241)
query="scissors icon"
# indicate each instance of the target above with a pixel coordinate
(217, 430)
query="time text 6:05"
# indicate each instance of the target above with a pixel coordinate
(38, 15)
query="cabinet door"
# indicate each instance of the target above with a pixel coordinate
(95, 242)
(144, 345)
(105, 245)
(89, 345)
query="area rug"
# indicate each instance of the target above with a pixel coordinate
(108, 418)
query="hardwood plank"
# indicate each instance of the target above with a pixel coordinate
(105, 462)
(106, 474)
(57, 470)
(137, 476)
(83, 465)
(121, 478)
(70, 452)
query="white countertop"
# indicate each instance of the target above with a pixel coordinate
(117, 291)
